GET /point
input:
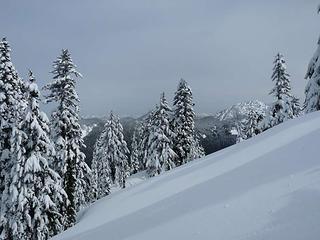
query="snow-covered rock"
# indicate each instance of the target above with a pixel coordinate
(267, 187)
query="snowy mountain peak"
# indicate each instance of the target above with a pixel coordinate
(238, 111)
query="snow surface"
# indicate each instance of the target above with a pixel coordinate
(267, 187)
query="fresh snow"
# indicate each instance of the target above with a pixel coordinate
(131, 181)
(267, 187)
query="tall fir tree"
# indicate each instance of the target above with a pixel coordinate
(144, 131)
(121, 163)
(161, 156)
(69, 161)
(251, 125)
(240, 127)
(134, 156)
(110, 161)
(35, 192)
(183, 123)
(11, 104)
(101, 171)
(312, 90)
(282, 109)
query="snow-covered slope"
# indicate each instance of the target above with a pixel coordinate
(267, 187)
(240, 110)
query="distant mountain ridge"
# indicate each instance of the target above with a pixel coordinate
(240, 110)
(214, 131)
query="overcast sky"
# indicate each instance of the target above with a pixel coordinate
(131, 50)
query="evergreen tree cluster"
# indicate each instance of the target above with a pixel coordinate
(160, 156)
(44, 180)
(110, 164)
(286, 106)
(164, 139)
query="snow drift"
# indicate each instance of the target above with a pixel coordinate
(267, 187)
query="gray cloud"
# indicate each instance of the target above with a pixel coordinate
(130, 51)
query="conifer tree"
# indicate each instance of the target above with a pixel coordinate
(144, 131)
(183, 123)
(251, 124)
(110, 161)
(161, 156)
(312, 90)
(11, 104)
(69, 161)
(121, 163)
(134, 156)
(34, 191)
(296, 108)
(101, 171)
(197, 151)
(282, 109)
(240, 127)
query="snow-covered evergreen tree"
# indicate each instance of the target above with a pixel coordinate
(110, 161)
(240, 127)
(101, 171)
(312, 90)
(11, 105)
(183, 123)
(134, 156)
(296, 108)
(144, 131)
(251, 124)
(282, 109)
(161, 156)
(33, 192)
(121, 163)
(197, 151)
(13, 201)
(69, 161)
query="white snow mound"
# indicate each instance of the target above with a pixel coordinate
(267, 187)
